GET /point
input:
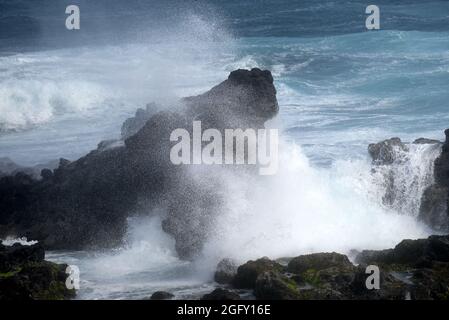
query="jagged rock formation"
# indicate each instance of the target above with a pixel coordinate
(319, 276)
(414, 269)
(86, 202)
(424, 263)
(430, 192)
(434, 205)
(226, 271)
(386, 152)
(25, 275)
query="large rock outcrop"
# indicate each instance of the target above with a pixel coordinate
(410, 188)
(414, 269)
(434, 205)
(86, 202)
(423, 264)
(25, 275)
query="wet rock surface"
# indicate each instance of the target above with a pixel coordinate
(221, 294)
(161, 295)
(248, 273)
(85, 203)
(25, 275)
(414, 269)
(434, 209)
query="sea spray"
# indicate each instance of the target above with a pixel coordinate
(401, 184)
(305, 209)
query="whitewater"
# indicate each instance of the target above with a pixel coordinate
(337, 93)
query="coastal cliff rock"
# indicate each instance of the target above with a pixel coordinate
(85, 203)
(247, 274)
(410, 253)
(387, 151)
(393, 160)
(434, 204)
(25, 275)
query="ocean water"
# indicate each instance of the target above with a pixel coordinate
(340, 87)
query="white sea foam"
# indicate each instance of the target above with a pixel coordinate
(304, 209)
(9, 241)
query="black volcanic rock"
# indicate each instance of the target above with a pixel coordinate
(25, 275)
(248, 273)
(412, 253)
(245, 100)
(319, 276)
(433, 209)
(161, 295)
(13, 256)
(442, 164)
(275, 286)
(413, 269)
(385, 152)
(434, 204)
(221, 294)
(85, 203)
(423, 262)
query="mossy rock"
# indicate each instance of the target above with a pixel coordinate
(221, 294)
(318, 261)
(36, 281)
(421, 253)
(275, 286)
(248, 273)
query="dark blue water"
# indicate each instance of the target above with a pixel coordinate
(339, 86)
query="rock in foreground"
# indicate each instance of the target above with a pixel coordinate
(414, 269)
(25, 275)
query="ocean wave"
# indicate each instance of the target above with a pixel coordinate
(25, 103)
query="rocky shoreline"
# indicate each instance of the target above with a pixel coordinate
(85, 203)
(412, 270)
(25, 275)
